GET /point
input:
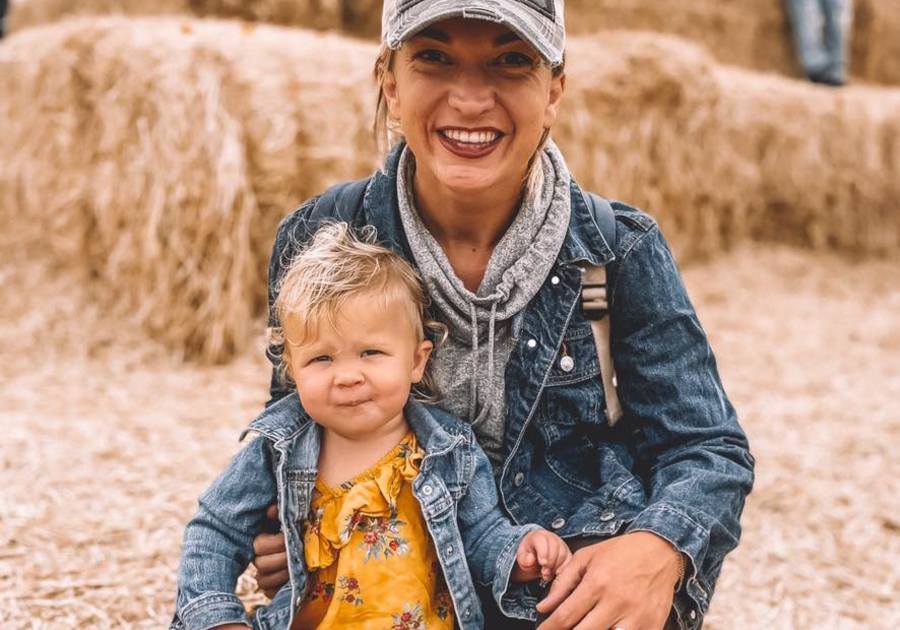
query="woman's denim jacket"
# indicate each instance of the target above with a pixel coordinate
(677, 464)
(455, 487)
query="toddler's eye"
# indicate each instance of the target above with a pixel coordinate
(371, 352)
(322, 358)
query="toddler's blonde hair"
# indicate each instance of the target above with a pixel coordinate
(337, 265)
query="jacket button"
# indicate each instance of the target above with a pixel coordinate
(426, 490)
(554, 280)
(567, 363)
(519, 479)
(607, 515)
(558, 523)
(532, 343)
(468, 613)
(693, 614)
(449, 550)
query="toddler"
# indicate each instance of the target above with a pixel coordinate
(387, 503)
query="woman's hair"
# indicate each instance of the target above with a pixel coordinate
(338, 265)
(387, 131)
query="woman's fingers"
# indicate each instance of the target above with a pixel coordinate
(272, 563)
(269, 584)
(566, 581)
(272, 512)
(267, 544)
(572, 610)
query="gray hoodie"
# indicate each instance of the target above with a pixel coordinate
(483, 326)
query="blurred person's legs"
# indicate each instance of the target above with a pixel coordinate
(838, 15)
(820, 30)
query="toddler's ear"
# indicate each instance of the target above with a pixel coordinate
(420, 360)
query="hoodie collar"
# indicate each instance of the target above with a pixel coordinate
(584, 241)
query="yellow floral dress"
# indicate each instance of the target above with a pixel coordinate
(371, 559)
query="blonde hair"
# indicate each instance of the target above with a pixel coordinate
(339, 265)
(387, 131)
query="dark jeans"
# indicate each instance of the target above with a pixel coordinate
(495, 620)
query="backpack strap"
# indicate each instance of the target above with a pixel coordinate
(595, 305)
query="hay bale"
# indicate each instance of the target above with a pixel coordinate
(164, 152)
(720, 154)
(320, 14)
(748, 33)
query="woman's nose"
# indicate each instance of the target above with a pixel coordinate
(472, 94)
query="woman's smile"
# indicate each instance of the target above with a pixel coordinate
(470, 143)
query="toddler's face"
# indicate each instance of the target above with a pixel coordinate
(354, 377)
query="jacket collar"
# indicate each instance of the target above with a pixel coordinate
(286, 418)
(583, 242)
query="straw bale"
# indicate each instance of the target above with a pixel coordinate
(320, 14)
(163, 153)
(748, 33)
(720, 154)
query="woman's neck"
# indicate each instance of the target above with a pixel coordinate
(475, 220)
(466, 226)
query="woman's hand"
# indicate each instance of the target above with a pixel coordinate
(627, 581)
(541, 554)
(270, 558)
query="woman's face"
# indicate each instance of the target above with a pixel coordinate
(473, 101)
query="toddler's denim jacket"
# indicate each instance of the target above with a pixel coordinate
(475, 542)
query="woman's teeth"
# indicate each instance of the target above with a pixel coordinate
(471, 137)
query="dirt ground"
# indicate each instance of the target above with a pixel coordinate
(103, 455)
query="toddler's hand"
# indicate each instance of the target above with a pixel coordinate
(541, 555)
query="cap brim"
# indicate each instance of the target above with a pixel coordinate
(547, 37)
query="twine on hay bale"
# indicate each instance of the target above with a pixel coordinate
(164, 152)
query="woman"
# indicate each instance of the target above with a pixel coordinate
(482, 202)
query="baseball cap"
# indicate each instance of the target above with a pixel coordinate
(539, 22)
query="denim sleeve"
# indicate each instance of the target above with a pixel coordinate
(691, 450)
(218, 542)
(490, 539)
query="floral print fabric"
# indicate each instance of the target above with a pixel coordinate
(371, 559)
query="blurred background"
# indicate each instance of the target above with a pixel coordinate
(149, 148)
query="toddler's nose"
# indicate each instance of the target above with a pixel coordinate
(348, 378)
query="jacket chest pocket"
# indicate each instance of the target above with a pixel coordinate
(573, 395)
(298, 489)
(572, 412)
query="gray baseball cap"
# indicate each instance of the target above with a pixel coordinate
(539, 22)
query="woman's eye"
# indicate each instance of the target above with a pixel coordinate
(515, 59)
(432, 55)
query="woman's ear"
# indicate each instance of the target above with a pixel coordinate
(420, 360)
(557, 89)
(391, 95)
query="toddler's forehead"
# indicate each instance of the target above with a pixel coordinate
(389, 310)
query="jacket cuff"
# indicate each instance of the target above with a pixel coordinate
(513, 599)
(211, 610)
(670, 522)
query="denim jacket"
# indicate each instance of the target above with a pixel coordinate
(677, 464)
(455, 488)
